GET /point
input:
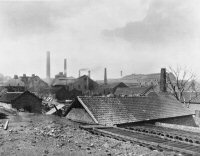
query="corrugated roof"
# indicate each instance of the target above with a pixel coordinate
(9, 96)
(112, 111)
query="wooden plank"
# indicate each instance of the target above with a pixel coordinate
(6, 125)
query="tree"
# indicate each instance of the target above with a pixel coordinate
(180, 80)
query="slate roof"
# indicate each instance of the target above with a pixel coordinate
(9, 96)
(110, 111)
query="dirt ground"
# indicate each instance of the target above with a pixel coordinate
(40, 135)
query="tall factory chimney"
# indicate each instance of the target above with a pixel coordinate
(79, 73)
(163, 82)
(105, 76)
(48, 66)
(65, 67)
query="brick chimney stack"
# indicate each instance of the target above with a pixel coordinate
(163, 82)
(105, 76)
(65, 67)
(48, 66)
(79, 73)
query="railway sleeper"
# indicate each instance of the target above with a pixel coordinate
(154, 131)
(150, 144)
(170, 136)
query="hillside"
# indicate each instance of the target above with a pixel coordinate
(138, 78)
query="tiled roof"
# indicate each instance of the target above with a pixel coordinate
(9, 96)
(112, 111)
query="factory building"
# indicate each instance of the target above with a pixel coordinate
(84, 84)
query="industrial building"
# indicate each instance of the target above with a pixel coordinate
(84, 84)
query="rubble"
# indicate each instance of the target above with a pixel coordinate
(52, 135)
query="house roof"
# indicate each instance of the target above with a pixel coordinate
(14, 83)
(112, 111)
(9, 96)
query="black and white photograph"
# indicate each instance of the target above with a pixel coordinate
(99, 78)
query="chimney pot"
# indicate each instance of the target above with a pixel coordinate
(15, 77)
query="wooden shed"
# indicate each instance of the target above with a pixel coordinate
(23, 100)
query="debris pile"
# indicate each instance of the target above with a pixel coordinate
(52, 135)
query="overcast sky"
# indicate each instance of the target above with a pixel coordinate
(136, 36)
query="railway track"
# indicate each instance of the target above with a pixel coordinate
(168, 133)
(147, 139)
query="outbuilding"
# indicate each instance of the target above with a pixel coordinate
(127, 110)
(22, 100)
